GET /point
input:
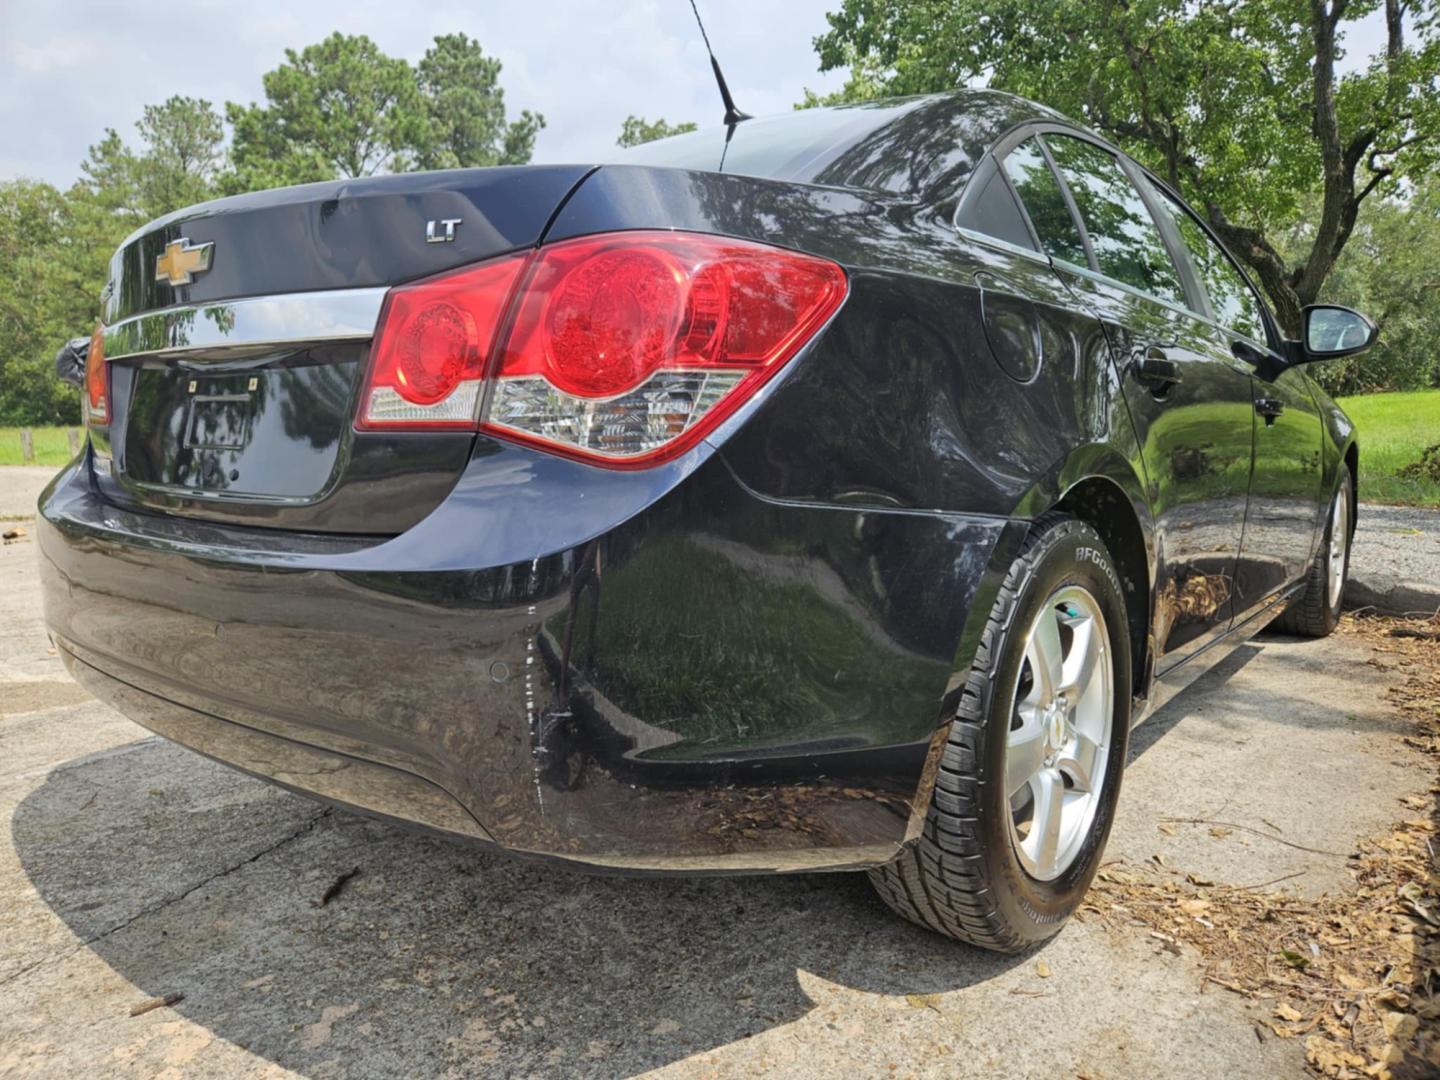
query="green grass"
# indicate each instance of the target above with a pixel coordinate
(1393, 430)
(51, 446)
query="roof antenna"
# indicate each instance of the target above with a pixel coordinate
(732, 115)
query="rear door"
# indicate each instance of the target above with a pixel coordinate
(1191, 407)
(1284, 509)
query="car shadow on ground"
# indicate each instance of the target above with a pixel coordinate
(1160, 722)
(185, 877)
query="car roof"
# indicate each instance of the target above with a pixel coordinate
(903, 146)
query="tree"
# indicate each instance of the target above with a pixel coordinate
(339, 108)
(637, 130)
(1240, 106)
(55, 247)
(181, 151)
(43, 302)
(184, 142)
(465, 108)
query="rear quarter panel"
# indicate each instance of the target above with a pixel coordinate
(901, 403)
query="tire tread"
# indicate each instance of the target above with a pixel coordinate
(940, 882)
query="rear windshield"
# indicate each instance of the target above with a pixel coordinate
(794, 147)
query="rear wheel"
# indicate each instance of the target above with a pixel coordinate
(1316, 612)
(1031, 771)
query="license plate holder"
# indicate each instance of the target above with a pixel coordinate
(219, 421)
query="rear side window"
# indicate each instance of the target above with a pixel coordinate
(1235, 304)
(1127, 245)
(992, 210)
(1045, 203)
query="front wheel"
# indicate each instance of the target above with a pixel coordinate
(1316, 611)
(1030, 774)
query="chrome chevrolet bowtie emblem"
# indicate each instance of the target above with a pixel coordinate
(181, 262)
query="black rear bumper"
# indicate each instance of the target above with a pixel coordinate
(593, 703)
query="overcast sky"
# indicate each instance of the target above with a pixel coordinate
(71, 68)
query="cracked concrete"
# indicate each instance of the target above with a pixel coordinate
(132, 869)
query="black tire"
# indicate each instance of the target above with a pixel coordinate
(963, 878)
(1316, 611)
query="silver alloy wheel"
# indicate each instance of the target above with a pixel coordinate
(1339, 542)
(1060, 732)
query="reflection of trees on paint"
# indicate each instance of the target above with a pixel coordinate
(316, 399)
(687, 639)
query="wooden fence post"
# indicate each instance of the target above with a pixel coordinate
(73, 434)
(27, 445)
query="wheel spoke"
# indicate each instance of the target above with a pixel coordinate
(1078, 762)
(1024, 754)
(1079, 666)
(1049, 814)
(1046, 655)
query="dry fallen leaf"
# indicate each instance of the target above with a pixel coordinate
(1042, 969)
(1399, 1026)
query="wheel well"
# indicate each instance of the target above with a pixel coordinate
(1105, 507)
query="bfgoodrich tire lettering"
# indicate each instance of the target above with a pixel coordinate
(964, 878)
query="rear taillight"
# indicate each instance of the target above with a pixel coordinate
(427, 368)
(97, 381)
(622, 350)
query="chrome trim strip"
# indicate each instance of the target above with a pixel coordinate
(1116, 283)
(1105, 279)
(986, 240)
(289, 319)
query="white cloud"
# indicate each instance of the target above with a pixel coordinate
(52, 57)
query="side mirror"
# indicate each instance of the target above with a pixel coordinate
(1332, 331)
(70, 361)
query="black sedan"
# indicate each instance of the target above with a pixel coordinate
(827, 492)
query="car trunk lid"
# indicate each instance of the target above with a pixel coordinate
(233, 393)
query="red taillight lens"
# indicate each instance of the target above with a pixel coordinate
(628, 349)
(428, 364)
(623, 350)
(97, 381)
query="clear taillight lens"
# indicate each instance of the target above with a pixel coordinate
(97, 381)
(624, 349)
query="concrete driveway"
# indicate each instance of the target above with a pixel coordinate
(132, 869)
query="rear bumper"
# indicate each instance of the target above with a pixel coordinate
(719, 683)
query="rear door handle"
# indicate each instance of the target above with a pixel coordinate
(1269, 408)
(1155, 369)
